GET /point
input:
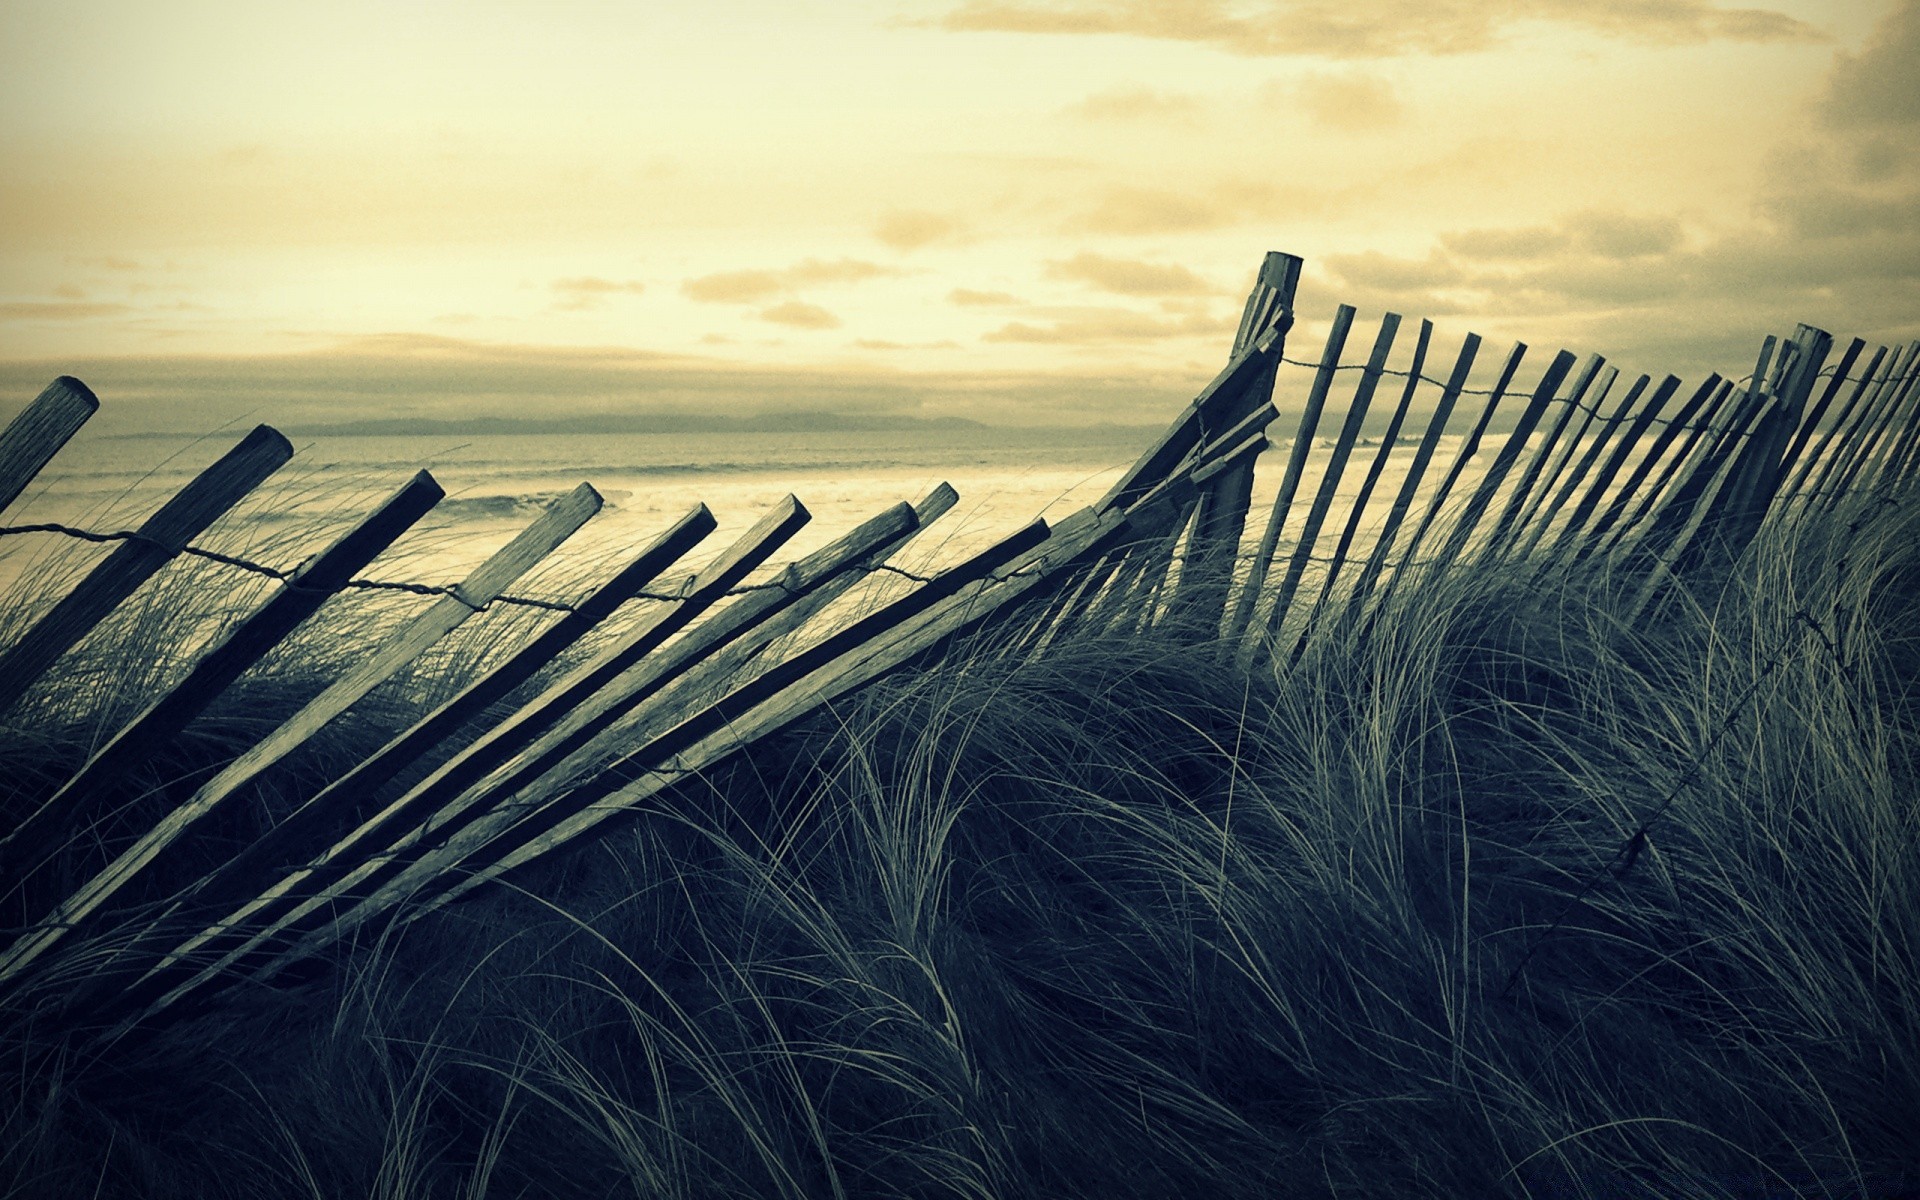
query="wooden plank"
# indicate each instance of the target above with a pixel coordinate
(76, 804)
(1900, 454)
(349, 799)
(1686, 426)
(580, 729)
(962, 585)
(1356, 513)
(1524, 491)
(1677, 511)
(1820, 454)
(1631, 438)
(559, 701)
(1503, 462)
(1323, 496)
(277, 897)
(1611, 425)
(1220, 403)
(84, 908)
(161, 537)
(1864, 447)
(1810, 425)
(1256, 582)
(1541, 506)
(1416, 472)
(1436, 504)
(1220, 519)
(34, 436)
(346, 863)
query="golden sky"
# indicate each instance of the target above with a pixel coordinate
(1019, 210)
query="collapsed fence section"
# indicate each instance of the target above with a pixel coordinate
(1445, 463)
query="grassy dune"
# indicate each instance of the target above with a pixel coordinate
(1515, 899)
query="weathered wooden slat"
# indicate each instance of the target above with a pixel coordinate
(1874, 431)
(1357, 511)
(1436, 504)
(582, 727)
(1477, 503)
(349, 799)
(1521, 495)
(1248, 598)
(1900, 453)
(1220, 518)
(1631, 435)
(1331, 474)
(1540, 508)
(507, 830)
(1383, 542)
(1818, 457)
(77, 802)
(273, 907)
(34, 436)
(162, 536)
(1222, 402)
(1685, 427)
(1610, 425)
(1677, 511)
(447, 613)
(834, 669)
(1811, 424)
(559, 701)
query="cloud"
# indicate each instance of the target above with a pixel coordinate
(883, 344)
(968, 298)
(800, 315)
(905, 229)
(752, 286)
(1876, 88)
(1350, 103)
(1128, 277)
(1098, 326)
(734, 287)
(1385, 27)
(1619, 235)
(59, 310)
(1535, 242)
(1132, 210)
(589, 291)
(428, 378)
(1137, 104)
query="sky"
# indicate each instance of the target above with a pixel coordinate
(1020, 211)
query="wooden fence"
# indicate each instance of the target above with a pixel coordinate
(1663, 491)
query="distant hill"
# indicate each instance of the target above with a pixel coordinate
(783, 422)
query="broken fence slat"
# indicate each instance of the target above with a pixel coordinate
(159, 539)
(442, 617)
(347, 801)
(34, 436)
(1331, 473)
(280, 906)
(1610, 424)
(1686, 426)
(1250, 591)
(1356, 512)
(75, 805)
(1630, 438)
(1469, 448)
(1416, 472)
(509, 829)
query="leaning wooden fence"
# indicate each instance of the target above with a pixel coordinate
(1663, 489)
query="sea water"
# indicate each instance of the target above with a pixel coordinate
(497, 484)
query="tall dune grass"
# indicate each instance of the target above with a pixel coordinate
(1515, 898)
